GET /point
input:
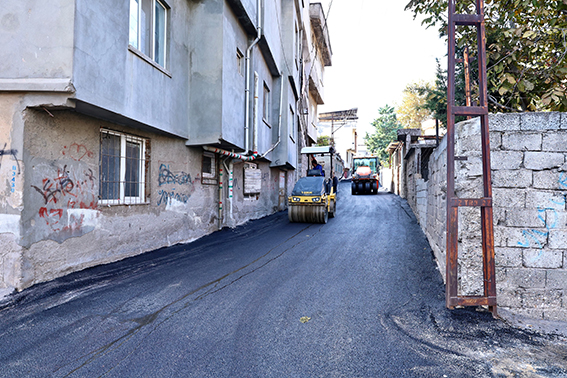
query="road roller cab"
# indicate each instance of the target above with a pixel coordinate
(312, 200)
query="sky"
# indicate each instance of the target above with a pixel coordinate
(378, 49)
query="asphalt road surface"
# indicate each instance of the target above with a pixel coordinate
(357, 297)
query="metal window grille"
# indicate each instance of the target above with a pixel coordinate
(123, 168)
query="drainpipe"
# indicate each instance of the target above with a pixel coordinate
(220, 197)
(247, 90)
(255, 113)
(229, 170)
(279, 119)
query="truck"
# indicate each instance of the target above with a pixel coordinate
(365, 175)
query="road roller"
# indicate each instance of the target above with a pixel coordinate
(365, 175)
(312, 200)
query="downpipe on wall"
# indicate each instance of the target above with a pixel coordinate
(247, 85)
(229, 170)
(220, 197)
(255, 112)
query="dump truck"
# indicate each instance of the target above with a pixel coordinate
(365, 175)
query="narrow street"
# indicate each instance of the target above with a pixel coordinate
(358, 297)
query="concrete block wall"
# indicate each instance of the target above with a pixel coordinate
(529, 183)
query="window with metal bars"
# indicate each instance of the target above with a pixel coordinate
(123, 168)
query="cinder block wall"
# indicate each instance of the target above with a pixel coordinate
(529, 181)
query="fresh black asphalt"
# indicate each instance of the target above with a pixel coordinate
(357, 297)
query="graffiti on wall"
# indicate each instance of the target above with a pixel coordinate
(180, 185)
(68, 199)
(563, 180)
(15, 169)
(534, 237)
(77, 152)
(10, 152)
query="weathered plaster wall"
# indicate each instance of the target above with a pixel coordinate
(10, 194)
(111, 75)
(37, 39)
(65, 229)
(529, 181)
(12, 173)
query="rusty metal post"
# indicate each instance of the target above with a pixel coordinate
(453, 202)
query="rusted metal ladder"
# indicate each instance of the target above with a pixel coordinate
(453, 202)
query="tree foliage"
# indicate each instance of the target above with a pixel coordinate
(413, 110)
(324, 140)
(526, 43)
(386, 131)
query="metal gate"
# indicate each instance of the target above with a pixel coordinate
(453, 202)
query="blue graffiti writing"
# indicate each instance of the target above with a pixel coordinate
(563, 180)
(533, 234)
(166, 176)
(13, 179)
(165, 197)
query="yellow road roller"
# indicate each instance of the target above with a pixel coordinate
(312, 200)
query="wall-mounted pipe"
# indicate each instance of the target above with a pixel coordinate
(247, 84)
(220, 197)
(229, 171)
(255, 112)
(231, 154)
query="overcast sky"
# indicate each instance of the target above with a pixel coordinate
(378, 49)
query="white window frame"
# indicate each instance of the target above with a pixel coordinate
(151, 36)
(209, 178)
(296, 47)
(127, 200)
(292, 124)
(240, 62)
(267, 104)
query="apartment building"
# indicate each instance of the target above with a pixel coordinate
(129, 126)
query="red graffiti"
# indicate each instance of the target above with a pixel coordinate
(52, 217)
(64, 191)
(77, 151)
(44, 213)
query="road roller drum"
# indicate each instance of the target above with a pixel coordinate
(312, 201)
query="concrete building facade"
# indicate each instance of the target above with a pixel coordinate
(131, 126)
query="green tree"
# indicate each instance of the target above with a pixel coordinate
(324, 140)
(526, 43)
(386, 131)
(413, 110)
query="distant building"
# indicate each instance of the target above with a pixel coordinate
(341, 126)
(150, 124)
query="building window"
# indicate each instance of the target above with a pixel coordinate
(267, 104)
(240, 62)
(291, 124)
(148, 29)
(123, 168)
(297, 45)
(209, 169)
